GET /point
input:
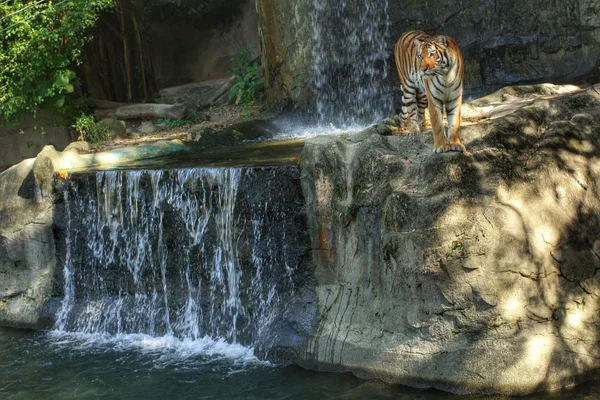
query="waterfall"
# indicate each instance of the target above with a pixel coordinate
(177, 253)
(350, 55)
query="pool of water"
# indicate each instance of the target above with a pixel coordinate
(50, 365)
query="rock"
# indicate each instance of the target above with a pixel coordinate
(147, 127)
(198, 134)
(27, 243)
(78, 147)
(234, 134)
(472, 273)
(501, 43)
(143, 111)
(117, 128)
(197, 115)
(285, 29)
(196, 96)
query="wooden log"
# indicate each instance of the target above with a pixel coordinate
(104, 104)
(143, 111)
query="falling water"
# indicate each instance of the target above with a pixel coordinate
(168, 254)
(350, 54)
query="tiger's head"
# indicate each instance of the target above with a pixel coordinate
(432, 56)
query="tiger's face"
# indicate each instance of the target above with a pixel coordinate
(430, 55)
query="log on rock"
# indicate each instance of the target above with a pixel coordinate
(105, 104)
(143, 111)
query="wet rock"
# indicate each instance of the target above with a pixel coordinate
(235, 134)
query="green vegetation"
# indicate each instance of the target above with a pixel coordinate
(249, 81)
(175, 123)
(90, 131)
(41, 43)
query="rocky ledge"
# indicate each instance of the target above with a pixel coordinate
(475, 272)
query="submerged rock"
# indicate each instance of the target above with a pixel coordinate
(473, 273)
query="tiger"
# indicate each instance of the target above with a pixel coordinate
(431, 72)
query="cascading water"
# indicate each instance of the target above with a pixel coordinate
(350, 54)
(177, 253)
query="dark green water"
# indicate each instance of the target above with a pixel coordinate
(39, 365)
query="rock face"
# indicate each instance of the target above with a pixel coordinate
(194, 41)
(501, 41)
(285, 34)
(503, 44)
(27, 243)
(468, 273)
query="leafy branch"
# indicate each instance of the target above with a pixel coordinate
(248, 82)
(40, 44)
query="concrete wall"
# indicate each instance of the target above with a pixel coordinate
(25, 142)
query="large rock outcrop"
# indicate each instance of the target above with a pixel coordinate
(475, 272)
(27, 243)
(285, 30)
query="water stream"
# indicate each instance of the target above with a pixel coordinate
(350, 39)
(167, 254)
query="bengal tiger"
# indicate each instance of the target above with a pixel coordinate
(432, 72)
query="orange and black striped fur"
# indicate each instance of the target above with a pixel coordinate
(431, 72)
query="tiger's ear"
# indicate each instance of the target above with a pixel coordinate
(441, 39)
(417, 42)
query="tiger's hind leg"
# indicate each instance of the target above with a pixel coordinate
(410, 109)
(422, 104)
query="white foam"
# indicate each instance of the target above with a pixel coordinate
(167, 349)
(292, 128)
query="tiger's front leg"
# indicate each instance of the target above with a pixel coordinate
(436, 117)
(453, 131)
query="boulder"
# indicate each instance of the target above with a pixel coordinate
(115, 127)
(27, 243)
(147, 127)
(197, 96)
(472, 273)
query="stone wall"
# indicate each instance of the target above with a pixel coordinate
(25, 141)
(169, 43)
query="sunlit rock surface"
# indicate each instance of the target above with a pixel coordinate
(474, 272)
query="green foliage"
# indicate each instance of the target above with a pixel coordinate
(248, 81)
(174, 123)
(248, 112)
(90, 131)
(40, 44)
